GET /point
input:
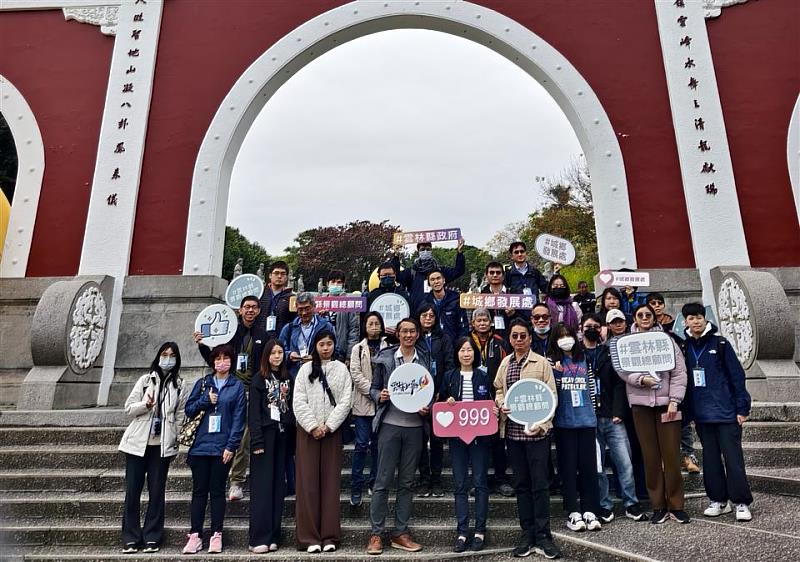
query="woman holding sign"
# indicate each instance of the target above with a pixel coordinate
(221, 399)
(322, 397)
(575, 424)
(468, 384)
(654, 400)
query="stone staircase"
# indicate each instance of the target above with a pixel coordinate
(62, 487)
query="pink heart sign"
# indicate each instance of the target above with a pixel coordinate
(465, 420)
(606, 277)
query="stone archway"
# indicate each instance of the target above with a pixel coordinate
(30, 155)
(211, 178)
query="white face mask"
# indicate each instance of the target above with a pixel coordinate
(166, 363)
(566, 343)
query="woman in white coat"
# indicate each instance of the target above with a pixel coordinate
(156, 405)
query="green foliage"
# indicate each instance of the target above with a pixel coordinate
(356, 248)
(237, 246)
(8, 160)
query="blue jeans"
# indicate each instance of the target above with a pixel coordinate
(462, 455)
(366, 441)
(615, 437)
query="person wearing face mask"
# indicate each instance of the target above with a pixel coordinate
(611, 408)
(387, 283)
(575, 425)
(415, 278)
(345, 324)
(540, 315)
(562, 308)
(363, 410)
(156, 405)
(654, 404)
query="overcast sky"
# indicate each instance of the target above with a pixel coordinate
(422, 128)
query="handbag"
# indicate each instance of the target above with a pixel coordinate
(188, 431)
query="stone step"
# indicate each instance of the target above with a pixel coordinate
(775, 411)
(770, 431)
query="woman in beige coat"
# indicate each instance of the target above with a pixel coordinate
(363, 406)
(156, 405)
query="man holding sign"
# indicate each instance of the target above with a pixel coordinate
(528, 448)
(400, 435)
(415, 278)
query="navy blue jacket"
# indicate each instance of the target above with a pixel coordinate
(414, 282)
(291, 339)
(451, 317)
(452, 387)
(231, 406)
(725, 395)
(439, 351)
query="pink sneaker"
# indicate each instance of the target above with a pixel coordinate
(215, 544)
(194, 544)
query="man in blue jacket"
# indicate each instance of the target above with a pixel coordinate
(720, 404)
(298, 336)
(415, 278)
(523, 278)
(452, 318)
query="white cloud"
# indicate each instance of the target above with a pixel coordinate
(422, 128)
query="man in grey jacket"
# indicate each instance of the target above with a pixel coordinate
(400, 437)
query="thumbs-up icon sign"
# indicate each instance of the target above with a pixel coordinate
(216, 327)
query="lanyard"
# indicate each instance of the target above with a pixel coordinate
(429, 343)
(311, 327)
(697, 356)
(275, 299)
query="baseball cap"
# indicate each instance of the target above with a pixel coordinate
(614, 314)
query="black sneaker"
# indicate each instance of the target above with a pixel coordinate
(660, 516)
(436, 491)
(150, 548)
(606, 515)
(130, 548)
(425, 492)
(460, 545)
(635, 512)
(477, 544)
(524, 546)
(506, 490)
(680, 516)
(546, 548)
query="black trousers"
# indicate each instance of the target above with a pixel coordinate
(729, 482)
(268, 488)
(209, 475)
(577, 466)
(499, 460)
(430, 466)
(155, 469)
(529, 463)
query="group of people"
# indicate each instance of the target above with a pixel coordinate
(291, 387)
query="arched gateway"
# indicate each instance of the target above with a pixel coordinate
(141, 122)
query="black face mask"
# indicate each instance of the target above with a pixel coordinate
(559, 293)
(592, 334)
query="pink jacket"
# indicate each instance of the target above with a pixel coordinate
(672, 389)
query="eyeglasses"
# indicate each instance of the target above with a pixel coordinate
(250, 307)
(494, 273)
(541, 317)
(644, 315)
(407, 332)
(519, 251)
(518, 336)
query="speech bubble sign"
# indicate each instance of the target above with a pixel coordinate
(418, 236)
(392, 308)
(643, 352)
(245, 285)
(608, 278)
(531, 402)
(555, 249)
(410, 387)
(217, 323)
(465, 420)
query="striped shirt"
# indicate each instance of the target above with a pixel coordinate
(466, 387)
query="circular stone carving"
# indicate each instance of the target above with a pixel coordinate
(87, 328)
(735, 320)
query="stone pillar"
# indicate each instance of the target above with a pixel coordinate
(67, 337)
(755, 315)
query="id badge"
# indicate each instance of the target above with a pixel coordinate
(699, 375)
(155, 429)
(242, 361)
(499, 323)
(272, 322)
(303, 351)
(527, 291)
(577, 398)
(425, 287)
(214, 423)
(274, 413)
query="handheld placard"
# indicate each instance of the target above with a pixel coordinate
(531, 402)
(643, 352)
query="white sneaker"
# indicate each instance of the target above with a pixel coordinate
(314, 548)
(329, 548)
(592, 522)
(743, 512)
(235, 493)
(575, 522)
(715, 509)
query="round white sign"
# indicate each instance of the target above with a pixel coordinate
(243, 286)
(410, 387)
(392, 308)
(217, 323)
(555, 249)
(531, 402)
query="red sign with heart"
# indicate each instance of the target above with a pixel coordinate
(465, 420)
